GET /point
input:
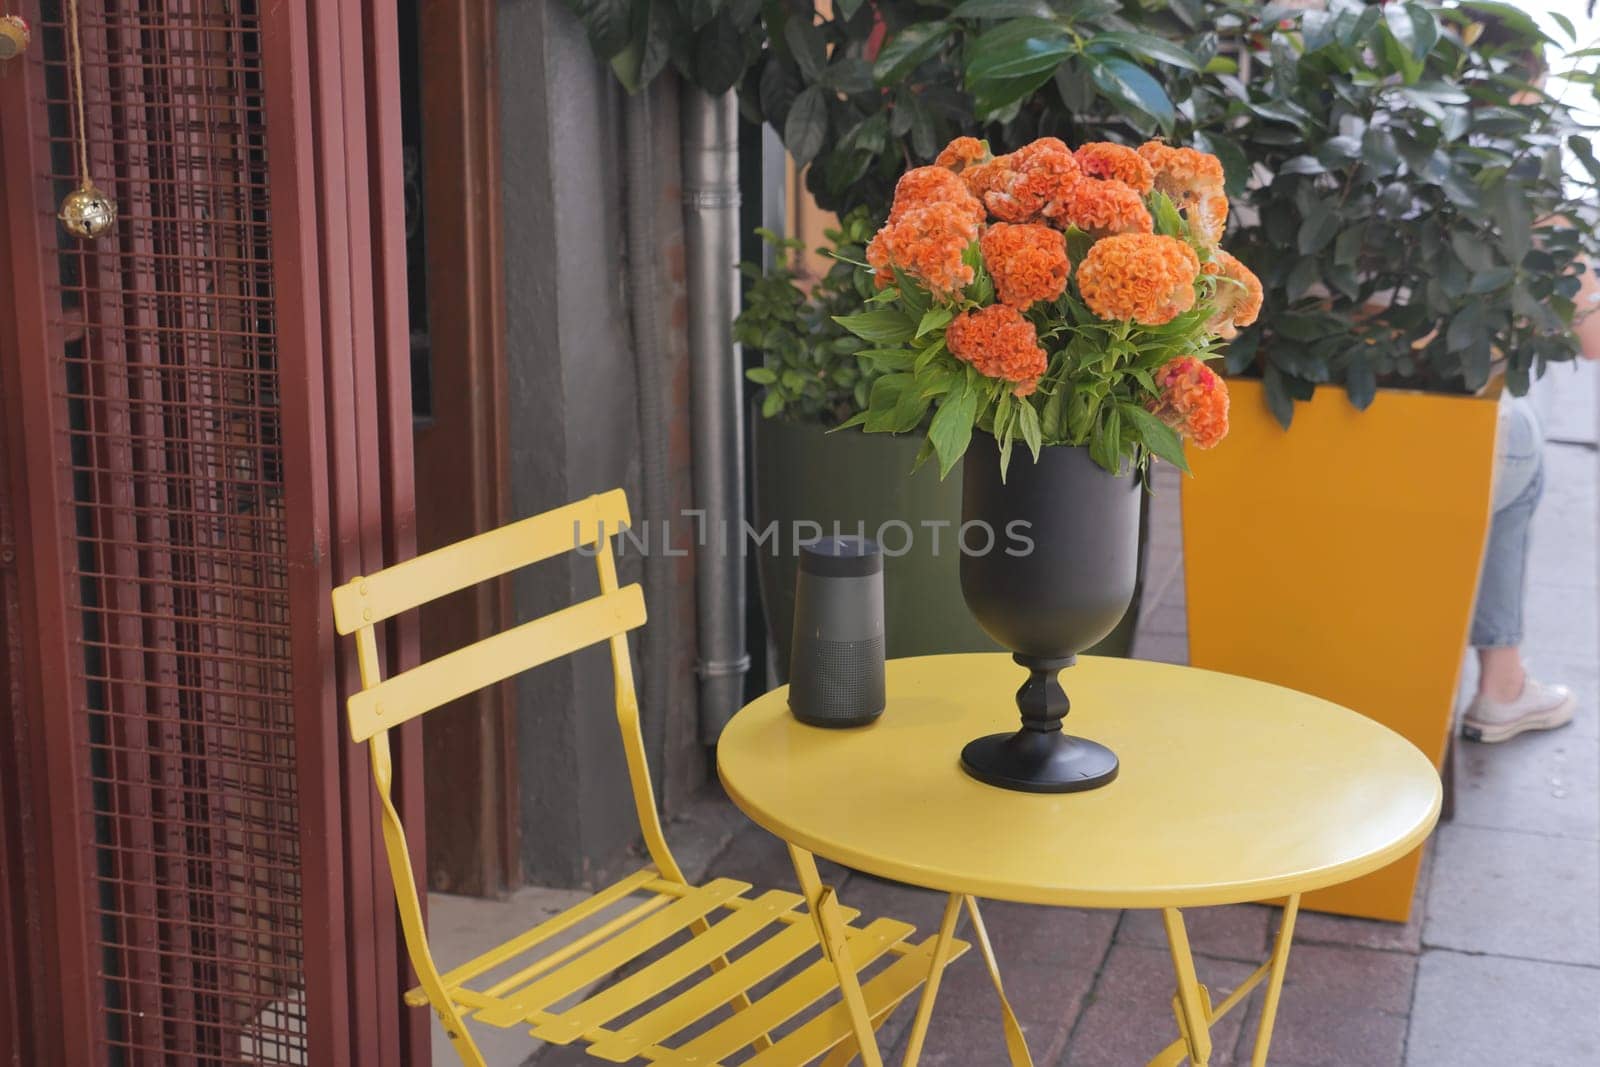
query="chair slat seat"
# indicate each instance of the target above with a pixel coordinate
(667, 936)
(651, 968)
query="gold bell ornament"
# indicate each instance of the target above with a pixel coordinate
(86, 211)
(14, 36)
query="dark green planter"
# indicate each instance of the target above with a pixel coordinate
(803, 473)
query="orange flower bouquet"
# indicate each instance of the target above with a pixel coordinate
(1055, 296)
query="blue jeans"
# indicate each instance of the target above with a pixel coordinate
(1518, 485)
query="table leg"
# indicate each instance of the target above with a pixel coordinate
(1192, 1004)
(941, 956)
(824, 908)
(1280, 961)
(1016, 1044)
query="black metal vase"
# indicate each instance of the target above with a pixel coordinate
(1048, 600)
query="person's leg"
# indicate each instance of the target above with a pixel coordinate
(1508, 701)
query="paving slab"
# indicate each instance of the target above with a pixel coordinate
(1314, 927)
(1546, 782)
(1515, 894)
(1341, 1006)
(1235, 932)
(966, 1030)
(1128, 1018)
(1488, 1011)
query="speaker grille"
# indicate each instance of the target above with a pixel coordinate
(839, 683)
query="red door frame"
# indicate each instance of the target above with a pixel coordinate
(330, 73)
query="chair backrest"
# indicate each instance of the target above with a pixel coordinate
(383, 703)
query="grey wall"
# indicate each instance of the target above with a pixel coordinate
(573, 425)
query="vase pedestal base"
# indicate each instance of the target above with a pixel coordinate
(1037, 761)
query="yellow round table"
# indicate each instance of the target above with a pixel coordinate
(1231, 790)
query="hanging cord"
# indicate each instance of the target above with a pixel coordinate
(75, 58)
(86, 212)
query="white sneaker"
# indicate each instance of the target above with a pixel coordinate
(1539, 707)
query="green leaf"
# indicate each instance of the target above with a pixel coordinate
(1122, 80)
(1002, 9)
(719, 56)
(1316, 230)
(607, 22)
(1490, 280)
(1156, 435)
(1028, 423)
(1168, 222)
(934, 318)
(1515, 221)
(771, 404)
(907, 49)
(1413, 27)
(1145, 46)
(1361, 383)
(806, 45)
(1278, 400)
(1466, 326)
(807, 125)
(1105, 443)
(884, 326)
(761, 376)
(951, 430)
(850, 74)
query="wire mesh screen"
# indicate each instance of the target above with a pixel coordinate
(172, 398)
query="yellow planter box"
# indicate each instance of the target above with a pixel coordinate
(1341, 558)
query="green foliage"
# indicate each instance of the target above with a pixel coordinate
(1419, 212)
(860, 108)
(809, 369)
(1095, 391)
(1395, 176)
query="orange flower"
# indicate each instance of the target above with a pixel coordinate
(999, 342)
(1101, 208)
(927, 243)
(922, 186)
(1192, 400)
(1027, 261)
(1194, 180)
(1238, 296)
(1102, 159)
(962, 153)
(1139, 276)
(1031, 177)
(983, 178)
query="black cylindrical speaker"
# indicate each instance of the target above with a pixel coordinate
(836, 660)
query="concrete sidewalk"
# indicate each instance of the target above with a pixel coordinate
(1499, 966)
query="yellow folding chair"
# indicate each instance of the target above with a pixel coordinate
(700, 960)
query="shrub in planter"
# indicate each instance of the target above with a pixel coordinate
(1412, 205)
(1418, 208)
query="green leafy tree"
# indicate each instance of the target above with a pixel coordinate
(877, 87)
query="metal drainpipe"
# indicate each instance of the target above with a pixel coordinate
(644, 296)
(711, 230)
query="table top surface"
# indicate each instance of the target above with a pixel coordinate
(1230, 789)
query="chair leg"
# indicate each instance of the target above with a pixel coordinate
(455, 1028)
(824, 908)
